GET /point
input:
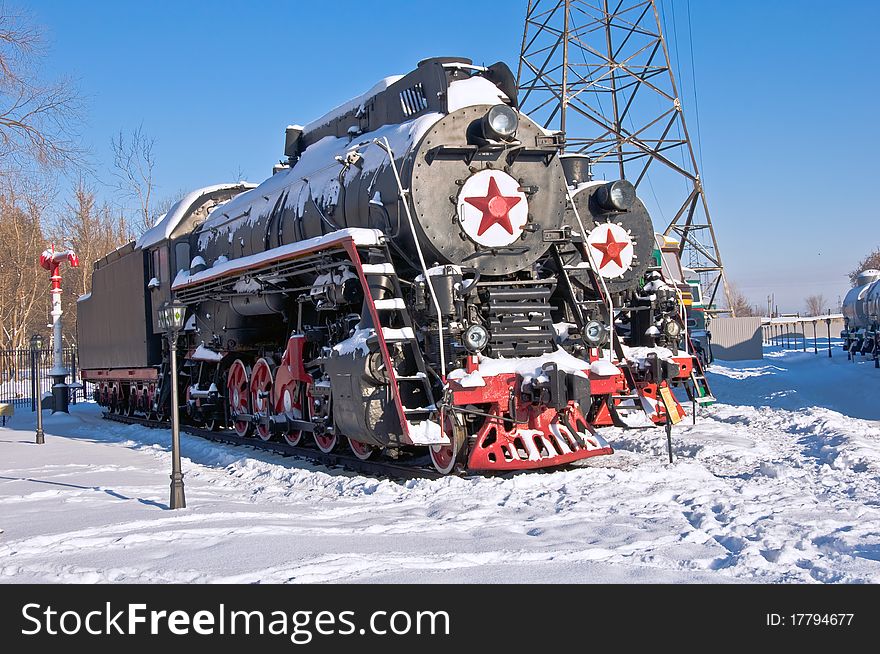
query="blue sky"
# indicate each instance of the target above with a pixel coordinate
(787, 93)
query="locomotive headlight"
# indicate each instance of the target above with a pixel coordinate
(616, 196)
(672, 328)
(476, 338)
(594, 332)
(500, 123)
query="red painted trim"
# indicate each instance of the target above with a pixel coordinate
(497, 388)
(346, 241)
(294, 358)
(685, 367)
(383, 347)
(606, 385)
(603, 416)
(524, 464)
(53, 262)
(290, 371)
(120, 374)
(495, 446)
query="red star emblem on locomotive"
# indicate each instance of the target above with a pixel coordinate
(495, 207)
(611, 250)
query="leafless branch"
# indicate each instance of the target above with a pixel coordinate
(739, 303)
(38, 119)
(870, 262)
(133, 163)
(815, 305)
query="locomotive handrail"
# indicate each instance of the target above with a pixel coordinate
(383, 143)
(593, 265)
(513, 249)
(682, 313)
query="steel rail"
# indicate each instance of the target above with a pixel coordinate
(417, 469)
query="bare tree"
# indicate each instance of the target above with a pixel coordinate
(133, 163)
(24, 285)
(815, 305)
(37, 118)
(870, 261)
(91, 231)
(238, 174)
(739, 304)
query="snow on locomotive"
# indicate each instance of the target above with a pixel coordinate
(861, 316)
(424, 270)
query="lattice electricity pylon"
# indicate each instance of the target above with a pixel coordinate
(600, 73)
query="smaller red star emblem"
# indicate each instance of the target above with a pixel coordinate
(611, 250)
(495, 207)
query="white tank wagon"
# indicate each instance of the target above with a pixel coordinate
(861, 316)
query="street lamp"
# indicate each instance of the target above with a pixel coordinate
(36, 347)
(828, 325)
(172, 316)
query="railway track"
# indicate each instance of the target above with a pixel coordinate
(416, 468)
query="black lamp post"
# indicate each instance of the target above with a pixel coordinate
(172, 316)
(828, 325)
(36, 347)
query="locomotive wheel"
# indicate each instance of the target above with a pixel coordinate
(363, 451)
(261, 397)
(237, 387)
(163, 410)
(149, 396)
(131, 404)
(289, 400)
(160, 414)
(445, 457)
(326, 442)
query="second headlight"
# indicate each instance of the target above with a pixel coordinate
(595, 333)
(475, 338)
(672, 328)
(500, 123)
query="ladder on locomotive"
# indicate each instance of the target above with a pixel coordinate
(698, 390)
(620, 407)
(410, 383)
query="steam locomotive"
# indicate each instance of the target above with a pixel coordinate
(423, 271)
(861, 316)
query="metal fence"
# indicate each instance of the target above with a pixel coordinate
(736, 339)
(23, 370)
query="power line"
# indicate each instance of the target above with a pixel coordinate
(625, 59)
(694, 86)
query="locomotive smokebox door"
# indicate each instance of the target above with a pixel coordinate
(486, 207)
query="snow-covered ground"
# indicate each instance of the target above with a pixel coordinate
(779, 483)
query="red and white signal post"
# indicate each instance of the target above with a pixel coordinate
(51, 261)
